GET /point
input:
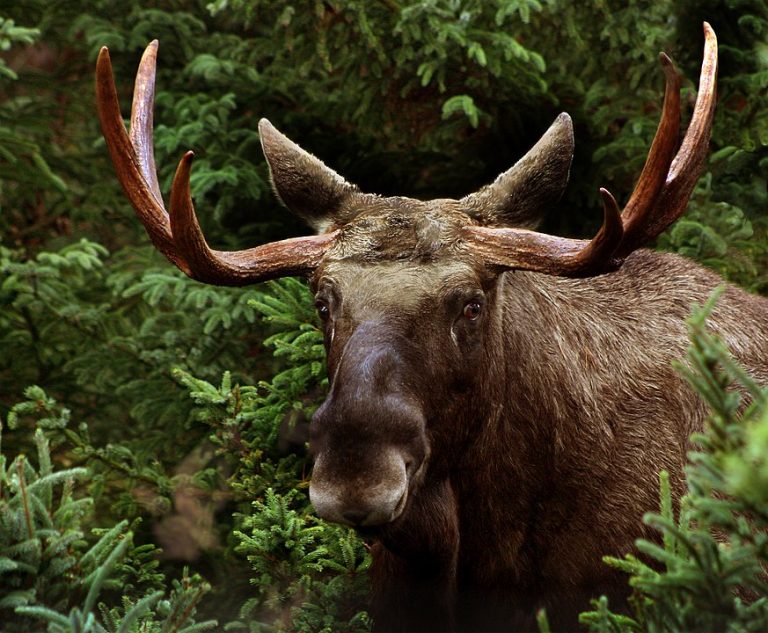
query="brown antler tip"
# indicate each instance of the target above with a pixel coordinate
(180, 187)
(151, 50)
(709, 31)
(668, 67)
(607, 196)
(612, 214)
(181, 210)
(102, 61)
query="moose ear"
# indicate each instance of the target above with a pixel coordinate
(303, 183)
(521, 195)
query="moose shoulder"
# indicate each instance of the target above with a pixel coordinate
(501, 400)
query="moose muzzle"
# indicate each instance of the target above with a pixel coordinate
(374, 495)
(369, 436)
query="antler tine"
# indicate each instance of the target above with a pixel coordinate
(529, 250)
(129, 164)
(651, 216)
(596, 256)
(289, 257)
(297, 256)
(141, 133)
(177, 234)
(661, 153)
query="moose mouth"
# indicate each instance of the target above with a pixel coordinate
(367, 501)
(369, 525)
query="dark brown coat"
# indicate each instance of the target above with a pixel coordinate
(501, 401)
(545, 426)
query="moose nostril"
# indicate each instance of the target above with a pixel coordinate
(355, 517)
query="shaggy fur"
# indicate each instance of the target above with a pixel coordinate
(494, 461)
(546, 427)
(494, 432)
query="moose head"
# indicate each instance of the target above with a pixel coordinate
(418, 300)
(406, 289)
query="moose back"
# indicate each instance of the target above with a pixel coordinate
(501, 400)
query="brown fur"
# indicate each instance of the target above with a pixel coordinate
(545, 455)
(494, 462)
(495, 432)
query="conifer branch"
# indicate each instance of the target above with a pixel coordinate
(24, 497)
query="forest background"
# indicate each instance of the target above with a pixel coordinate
(154, 474)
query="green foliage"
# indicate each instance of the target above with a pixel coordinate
(708, 571)
(38, 537)
(720, 236)
(103, 337)
(249, 422)
(11, 34)
(307, 575)
(49, 566)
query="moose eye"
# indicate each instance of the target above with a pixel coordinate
(323, 311)
(472, 310)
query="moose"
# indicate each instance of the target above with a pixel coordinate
(501, 400)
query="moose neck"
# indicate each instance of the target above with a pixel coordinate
(583, 363)
(556, 448)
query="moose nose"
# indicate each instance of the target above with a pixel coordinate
(374, 507)
(369, 498)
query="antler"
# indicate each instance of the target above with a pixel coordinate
(659, 198)
(177, 234)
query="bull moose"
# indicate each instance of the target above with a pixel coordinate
(501, 400)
